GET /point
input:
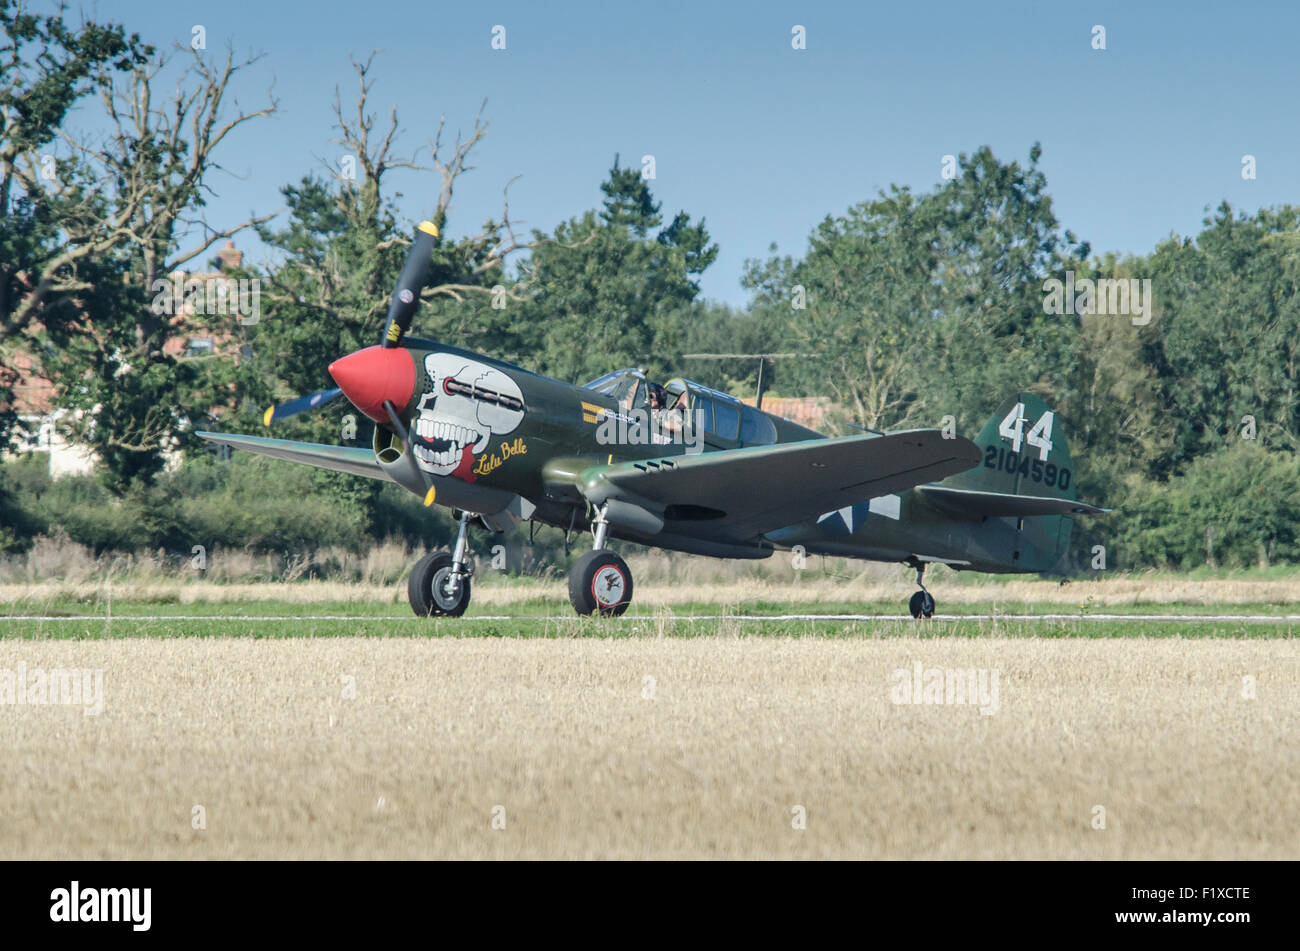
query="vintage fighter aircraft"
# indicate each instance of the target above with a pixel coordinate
(704, 473)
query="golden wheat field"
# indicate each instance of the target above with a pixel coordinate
(655, 748)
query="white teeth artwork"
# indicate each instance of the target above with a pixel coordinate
(449, 422)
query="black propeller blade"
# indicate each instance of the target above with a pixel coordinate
(406, 299)
(298, 405)
(405, 434)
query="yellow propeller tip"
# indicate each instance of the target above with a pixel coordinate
(428, 496)
(266, 417)
(428, 227)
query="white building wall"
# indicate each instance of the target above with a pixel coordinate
(42, 435)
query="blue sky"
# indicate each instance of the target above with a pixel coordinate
(763, 140)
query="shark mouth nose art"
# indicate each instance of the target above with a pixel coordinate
(465, 405)
(442, 444)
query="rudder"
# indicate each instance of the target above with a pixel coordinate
(1024, 452)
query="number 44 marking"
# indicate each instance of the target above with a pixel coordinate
(1040, 434)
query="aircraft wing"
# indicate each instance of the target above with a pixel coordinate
(354, 460)
(741, 493)
(993, 504)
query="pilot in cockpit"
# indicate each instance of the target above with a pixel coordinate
(665, 418)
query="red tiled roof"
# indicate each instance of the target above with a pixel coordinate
(810, 411)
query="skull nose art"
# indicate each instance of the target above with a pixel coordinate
(373, 375)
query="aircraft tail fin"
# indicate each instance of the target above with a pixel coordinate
(1023, 452)
(1024, 476)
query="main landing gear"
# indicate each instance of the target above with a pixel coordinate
(439, 583)
(600, 582)
(922, 603)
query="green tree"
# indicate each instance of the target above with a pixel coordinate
(1227, 331)
(863, 300)
(998, 240)
(617, 280)
(716, 328)
(50, 214)
(921, 306)
(1235, 507)
(1119, 423)
(129, 214)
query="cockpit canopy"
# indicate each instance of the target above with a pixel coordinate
(727, 421)
(620, 385)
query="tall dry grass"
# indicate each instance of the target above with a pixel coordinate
(60, 569)
(62, 560)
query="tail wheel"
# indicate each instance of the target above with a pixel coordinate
(921, 605)
(600, 583)
(429, 589)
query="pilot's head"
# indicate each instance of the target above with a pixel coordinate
(657, 396)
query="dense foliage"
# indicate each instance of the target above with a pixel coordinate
(905, 308)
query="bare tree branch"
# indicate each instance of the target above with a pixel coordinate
(154, 164)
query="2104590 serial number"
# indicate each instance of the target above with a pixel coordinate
(1048, 473)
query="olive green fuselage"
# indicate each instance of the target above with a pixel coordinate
(498, 439)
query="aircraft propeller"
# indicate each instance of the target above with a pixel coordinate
(298, 405)
(405, 434)
(406, 301)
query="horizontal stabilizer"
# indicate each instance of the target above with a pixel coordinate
(996, 504)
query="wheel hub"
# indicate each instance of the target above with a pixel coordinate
(446, 588)
(608, 586)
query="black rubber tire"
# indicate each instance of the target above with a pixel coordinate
(420, 592)
(921, 605)
(597, 571)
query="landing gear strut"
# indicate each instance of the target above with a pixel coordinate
(439, 584)
(922, 603)
(600, 582)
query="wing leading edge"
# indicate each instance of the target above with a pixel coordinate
(351, 459)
